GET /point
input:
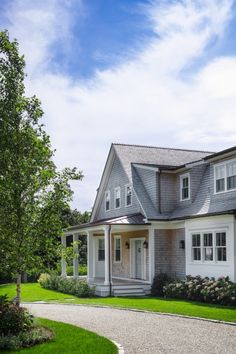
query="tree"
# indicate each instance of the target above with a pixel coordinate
(32, 192)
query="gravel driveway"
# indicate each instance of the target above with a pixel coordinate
(141, 332)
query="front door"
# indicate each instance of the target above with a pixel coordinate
(138, 259)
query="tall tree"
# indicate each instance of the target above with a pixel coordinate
(32, 192)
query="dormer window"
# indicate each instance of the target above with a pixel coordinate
(107, 200)
(185, 187)
(225, 176)
(128, 195)
(117, 198)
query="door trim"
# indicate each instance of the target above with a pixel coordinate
(132, 258)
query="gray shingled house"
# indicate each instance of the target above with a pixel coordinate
(160, 210)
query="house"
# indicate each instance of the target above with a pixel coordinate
(160, 210)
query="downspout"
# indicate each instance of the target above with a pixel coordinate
(109, 260)
(159, 192)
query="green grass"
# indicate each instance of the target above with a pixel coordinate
(33, 292)
(70, 339)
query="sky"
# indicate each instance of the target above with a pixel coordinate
(146, 72)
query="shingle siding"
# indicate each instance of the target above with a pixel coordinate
(168, 187)
(117, 178)
(169, 257)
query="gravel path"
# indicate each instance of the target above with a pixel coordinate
(141, 332)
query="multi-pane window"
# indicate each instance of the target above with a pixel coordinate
(221, 246)
(107, 200)
(196, 247)
(184, 187)
(220, 178)
(128, 195)
(231, 175)
(117, 197)
(225, 176)
(101, 249)
(209, 246)
(117, 250)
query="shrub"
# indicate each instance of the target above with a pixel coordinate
(82, 270)
(159, 281)
(71, 286)
(221, 291)
(13, 319)
(34, 336)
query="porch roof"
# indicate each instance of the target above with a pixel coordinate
(134, 219)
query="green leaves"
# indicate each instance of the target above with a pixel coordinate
(33, 193)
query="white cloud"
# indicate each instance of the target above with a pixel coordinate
(145, 100)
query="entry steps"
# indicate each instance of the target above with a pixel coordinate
(130, 289)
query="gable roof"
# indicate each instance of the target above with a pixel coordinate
(151, 155)
(147, 155)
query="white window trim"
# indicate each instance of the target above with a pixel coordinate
(107, 192)
(181, 182)
(126, 186)
(214, 261)
(115, 238)
(225, 176)
(99, 238)
(115, 190)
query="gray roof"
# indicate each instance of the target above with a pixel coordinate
(204, 204)
(134, 219)
(129, 154)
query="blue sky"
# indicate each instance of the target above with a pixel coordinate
(154, 72)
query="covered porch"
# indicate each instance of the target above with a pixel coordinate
(120, 256)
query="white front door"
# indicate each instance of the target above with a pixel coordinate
(137, 259)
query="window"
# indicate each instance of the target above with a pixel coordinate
(128, 195)
(101, 249)
(209, 246)
(196, 247)
(220, 178)
(231, 175)
(117, 250)
(221, 246)
(225, 176)
(117, 197)
(107, 200)
(184, 187)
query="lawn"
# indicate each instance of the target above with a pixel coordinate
(34, 292)
(70, 339)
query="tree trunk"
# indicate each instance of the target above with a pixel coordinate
(18, 289)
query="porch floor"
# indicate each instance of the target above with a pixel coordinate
(115, 281)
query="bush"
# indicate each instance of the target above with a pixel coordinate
(82, 270)
(34, 336)
(159, 281)
(221, 291)
(13, 319)
(71, 286)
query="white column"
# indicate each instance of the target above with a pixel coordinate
(106, 236)
(90, 256)
(75, 259)
(63, 261)
(151, 253)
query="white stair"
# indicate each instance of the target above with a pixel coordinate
(128, 290)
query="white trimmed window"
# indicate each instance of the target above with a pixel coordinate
(101, 249)
(117, 197)
(128, 195)
(209, 246)
(107, 200)
(117, 249)
(185, 187)
(225, 176)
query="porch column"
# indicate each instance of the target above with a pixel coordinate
(90, 256)
(63, 261)
(107, 258)
(151, 250)
(75, 259)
